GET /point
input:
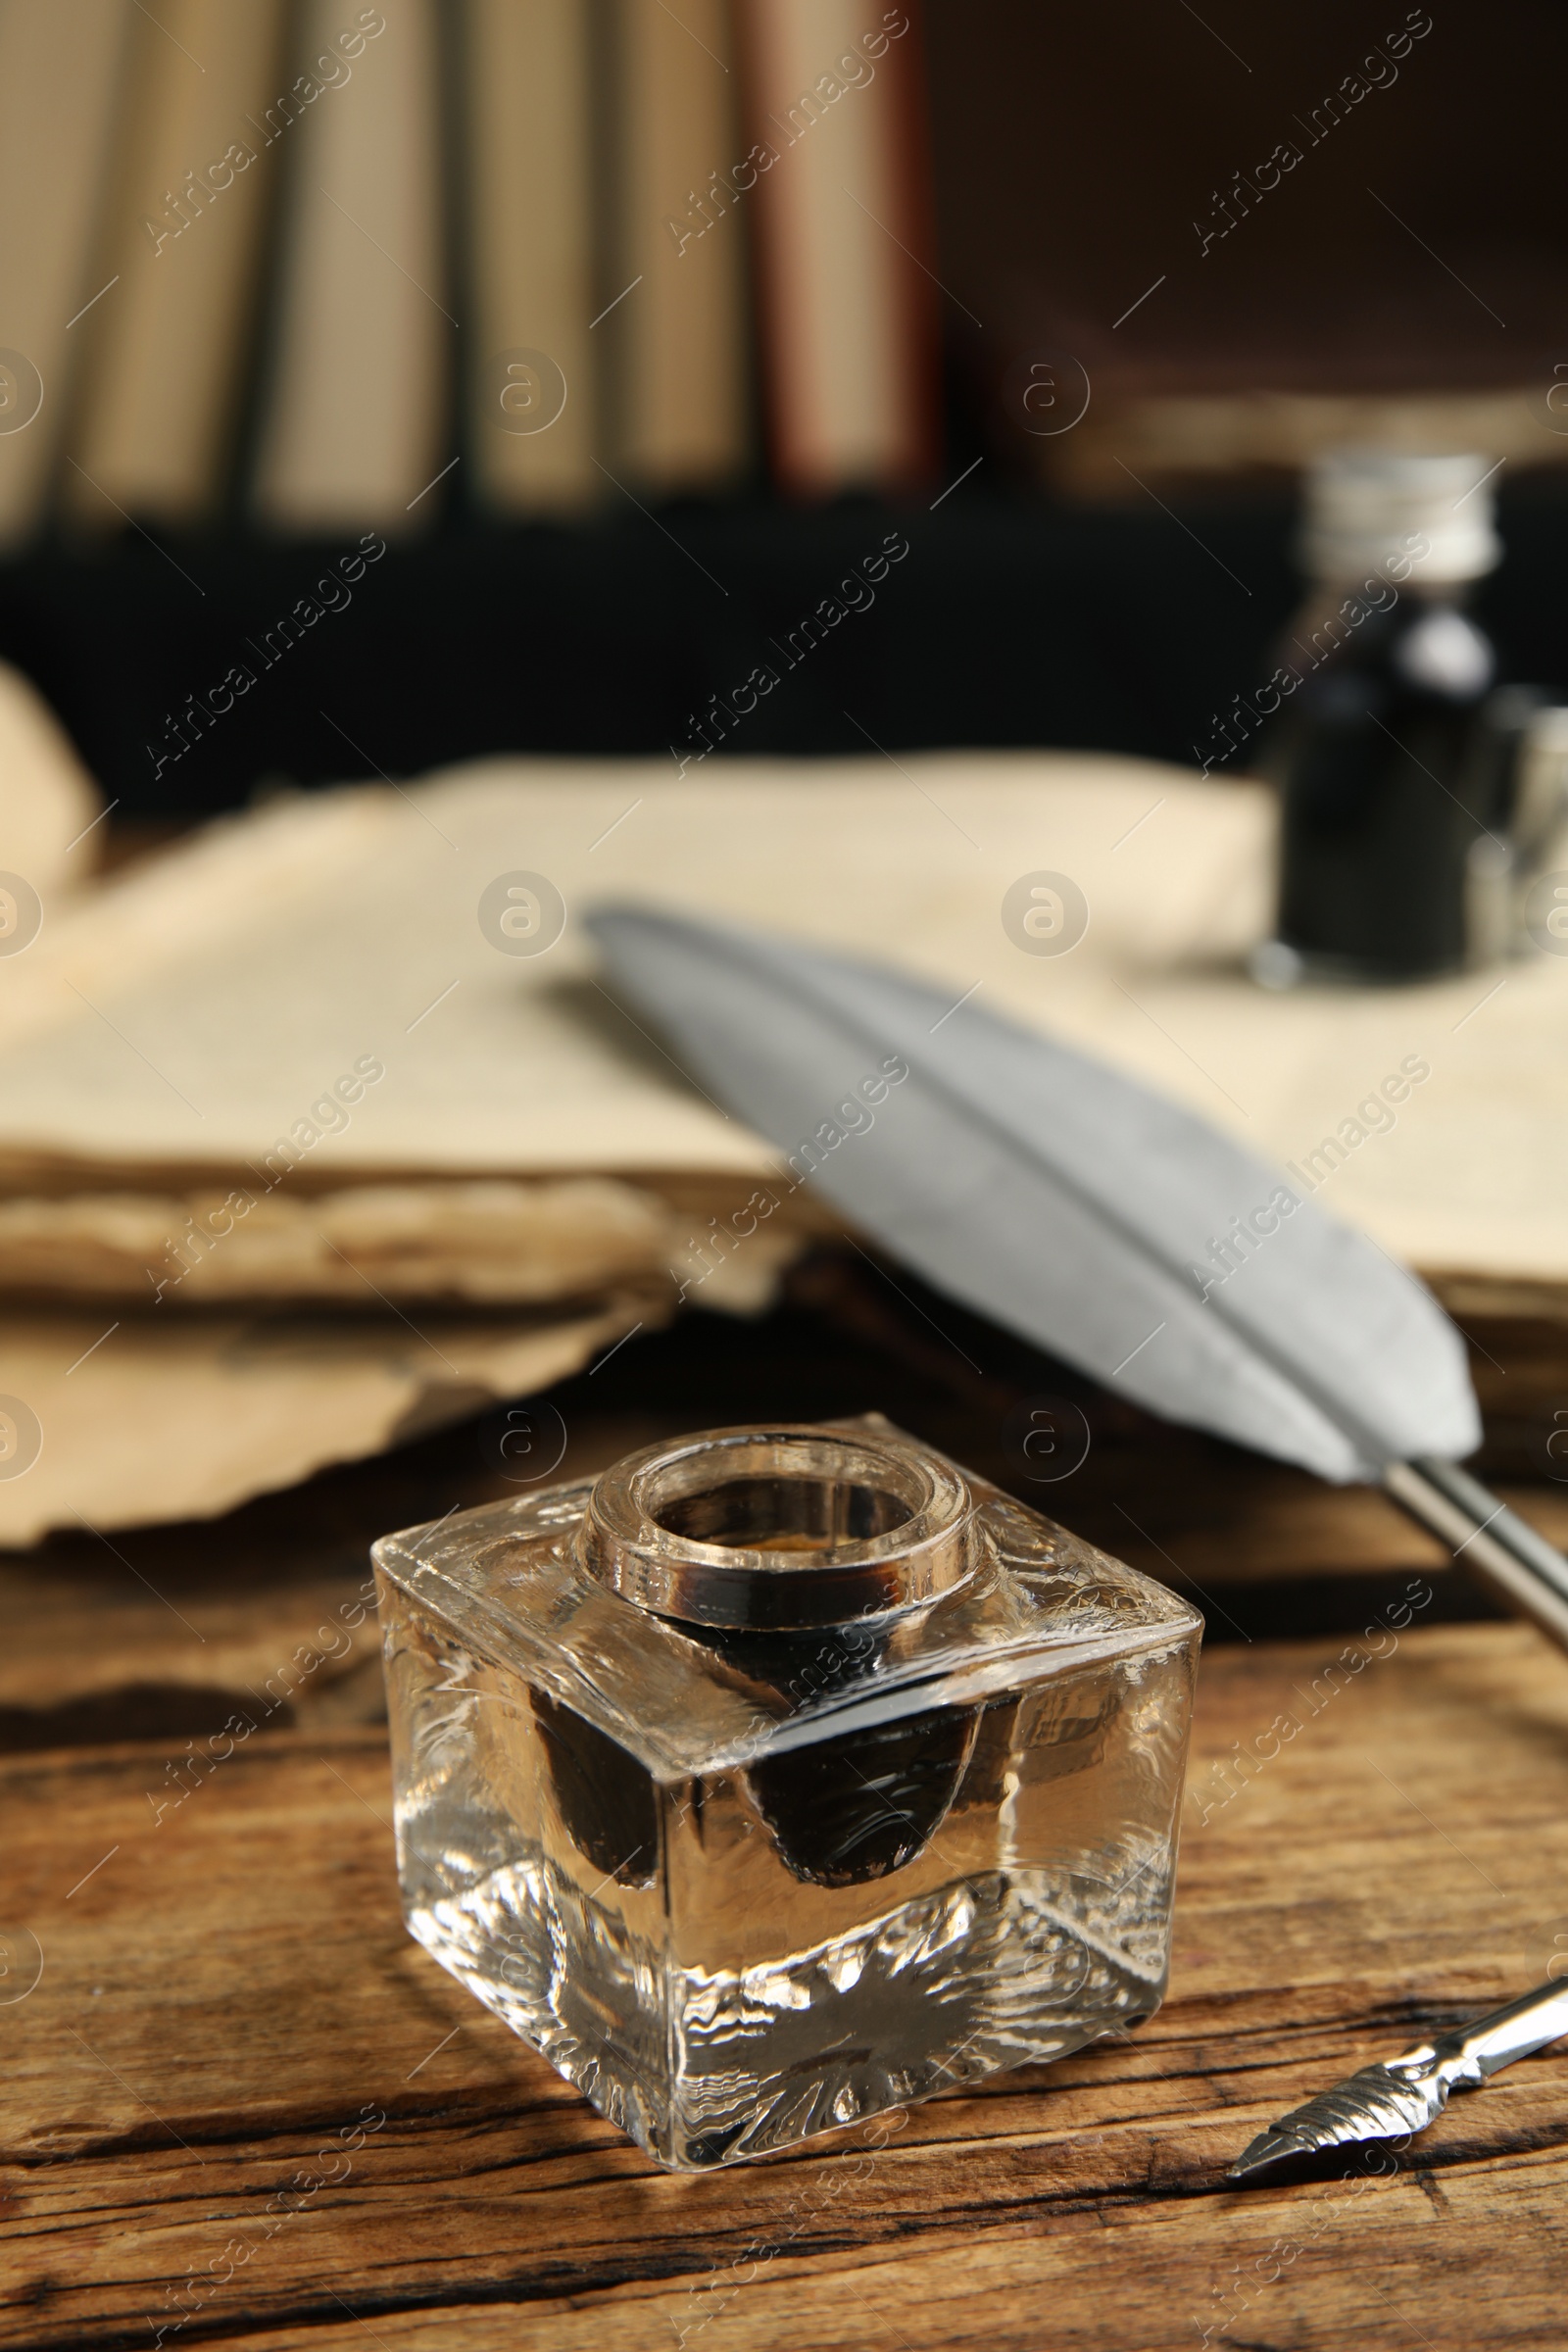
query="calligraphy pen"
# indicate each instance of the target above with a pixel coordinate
(1087, 1213)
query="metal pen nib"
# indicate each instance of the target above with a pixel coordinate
(1408, 2092)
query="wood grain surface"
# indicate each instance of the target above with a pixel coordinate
(238, 2104)
(239, 2099)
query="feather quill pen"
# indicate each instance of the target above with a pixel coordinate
(1079, 1209)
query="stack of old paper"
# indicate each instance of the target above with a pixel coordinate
(319, 1128)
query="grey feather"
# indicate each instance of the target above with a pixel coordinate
(1072, 1204)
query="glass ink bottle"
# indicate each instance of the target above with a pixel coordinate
(779, 1777)
(1384, 845)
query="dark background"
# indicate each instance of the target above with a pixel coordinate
(1075, 147)
(1011, 623)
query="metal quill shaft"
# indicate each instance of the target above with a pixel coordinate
(1529, 1575)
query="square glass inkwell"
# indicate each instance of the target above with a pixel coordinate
(780, 1775)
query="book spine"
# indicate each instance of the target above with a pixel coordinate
(528, 207)
(181, 260)
(677, 315)
(355, 423)
(848, 330)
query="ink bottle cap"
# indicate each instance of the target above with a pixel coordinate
(1369, 507)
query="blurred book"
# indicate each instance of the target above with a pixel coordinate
(528, 162)
(1188, 440)
(266, 220)
(355, 415)
(674, 318)
(320, 1126)
(51, 816)
(848, 327)
(360, 988)
(182, 249)
(247, 230)
(59, 78)
(163, 1419)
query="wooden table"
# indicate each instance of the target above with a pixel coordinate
(240, 2103)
